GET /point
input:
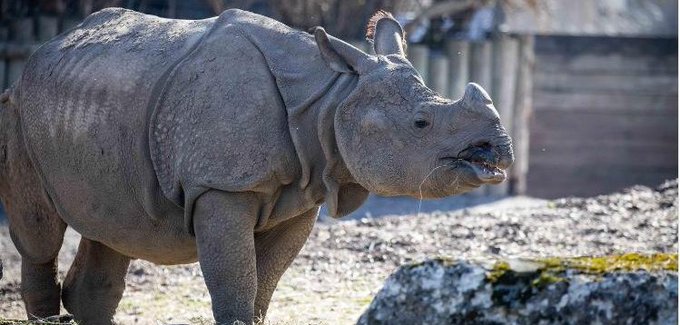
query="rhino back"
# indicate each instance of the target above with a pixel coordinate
(85, 100)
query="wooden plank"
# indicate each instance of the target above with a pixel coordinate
(614, 63)
(589, 181)
(567, 125)
(607, 83)
(625, 102)
(523, 107)
(419, 55)
(563, 156)
(606, 143)
(605, 46)
(459, 58)
(439, 74)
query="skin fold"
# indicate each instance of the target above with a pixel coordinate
(216, 141)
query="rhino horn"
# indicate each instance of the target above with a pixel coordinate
(387, 35)
(339, 55)
(476, 98)
(475, 95)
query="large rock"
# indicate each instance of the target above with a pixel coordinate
(626, 289)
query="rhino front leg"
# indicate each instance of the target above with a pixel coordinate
(95, 283)
(276, 250)
(224, 224)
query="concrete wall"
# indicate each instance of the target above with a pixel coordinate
(605, 115)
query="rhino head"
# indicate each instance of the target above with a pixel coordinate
(398, 137)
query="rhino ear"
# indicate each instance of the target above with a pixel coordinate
(340, 56)
(386, 33)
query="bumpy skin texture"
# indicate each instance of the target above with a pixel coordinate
(217, 140)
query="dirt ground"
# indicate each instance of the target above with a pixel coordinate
(344, 263)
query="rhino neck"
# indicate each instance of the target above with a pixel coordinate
(311, 93)
(312, 129)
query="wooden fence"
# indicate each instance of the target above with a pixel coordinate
(20, 37)
(605, 115)
(501, 65)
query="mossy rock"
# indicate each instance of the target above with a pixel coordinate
(618, 289)
(551, 270)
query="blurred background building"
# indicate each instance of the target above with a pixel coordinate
(588, 89)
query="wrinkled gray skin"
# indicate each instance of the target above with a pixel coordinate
(216, 140)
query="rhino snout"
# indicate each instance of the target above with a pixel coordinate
(488, 161)
(506, 156)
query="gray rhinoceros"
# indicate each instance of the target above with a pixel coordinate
(216, 141)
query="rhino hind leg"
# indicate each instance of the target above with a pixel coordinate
(40, 291)
(35, 227)
(276, 249)
(38, 238)
(95, 282)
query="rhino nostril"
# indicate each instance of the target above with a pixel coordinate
(483, 145)
(480, 152)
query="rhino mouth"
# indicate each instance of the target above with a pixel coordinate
(485, 171)
(481, 162)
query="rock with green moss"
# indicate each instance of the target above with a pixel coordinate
(622, 289)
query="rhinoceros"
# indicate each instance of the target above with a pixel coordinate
(216, 140)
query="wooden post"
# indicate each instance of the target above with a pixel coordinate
(481, 64)
(22, 32)
(3, 65)
(439, 74)
(459, 58)
(419, 57)
(523, 111)
(504, 76)
(480, 72)
(48, 27)
(172, 8)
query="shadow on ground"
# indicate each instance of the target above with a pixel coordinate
(379, 206)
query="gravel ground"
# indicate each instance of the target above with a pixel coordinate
(344, 263)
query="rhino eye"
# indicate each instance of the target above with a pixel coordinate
(421, 124)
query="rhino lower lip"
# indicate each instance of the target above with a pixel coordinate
(486, 172)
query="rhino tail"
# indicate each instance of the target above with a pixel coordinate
(9, 96)
(5, 96)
